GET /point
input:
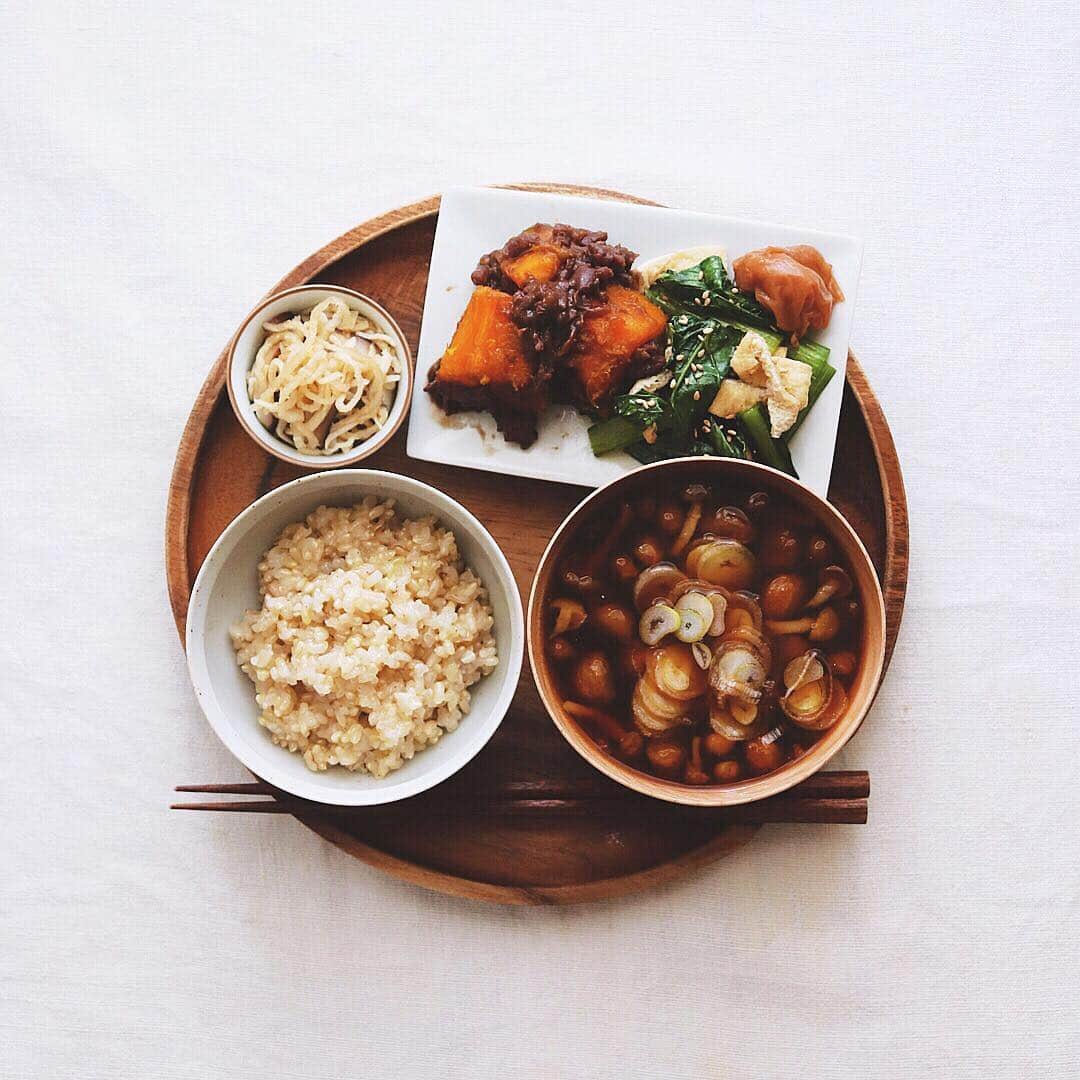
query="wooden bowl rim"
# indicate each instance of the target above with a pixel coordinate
(864, 689)
(279, 449)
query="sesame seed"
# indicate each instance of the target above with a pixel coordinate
(697, 395)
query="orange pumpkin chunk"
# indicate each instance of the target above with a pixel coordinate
(609, 338)
(541, 263)
(486, 347)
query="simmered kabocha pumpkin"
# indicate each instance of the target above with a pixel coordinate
(704, 638)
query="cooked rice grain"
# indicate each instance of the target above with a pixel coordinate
(370, 633)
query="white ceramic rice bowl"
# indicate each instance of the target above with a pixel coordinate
(227, 585)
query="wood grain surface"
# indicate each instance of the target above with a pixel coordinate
(219, 471)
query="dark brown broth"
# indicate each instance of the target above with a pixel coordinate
(785, 540)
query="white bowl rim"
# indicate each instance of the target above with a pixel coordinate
(267, 440)
(511, 654)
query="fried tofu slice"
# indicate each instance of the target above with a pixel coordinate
(785, 382)
(486, 367)
(609, 338)
(789, 393)
(750, 358)
(734, 397)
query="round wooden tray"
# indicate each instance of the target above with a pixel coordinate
(219, 471)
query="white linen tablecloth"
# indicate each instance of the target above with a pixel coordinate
(163, 164)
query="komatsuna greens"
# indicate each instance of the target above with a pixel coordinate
(707, 318)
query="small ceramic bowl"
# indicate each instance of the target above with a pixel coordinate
(227, 586)
(250, 337)
(669, 476)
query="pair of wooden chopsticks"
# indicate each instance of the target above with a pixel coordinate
(827, 798)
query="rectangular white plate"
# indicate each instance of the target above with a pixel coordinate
(474, 221)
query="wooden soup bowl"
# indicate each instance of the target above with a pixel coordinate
(661, 479)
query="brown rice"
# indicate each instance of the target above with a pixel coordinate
(370, 633)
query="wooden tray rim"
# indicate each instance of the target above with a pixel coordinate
(179, 577)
